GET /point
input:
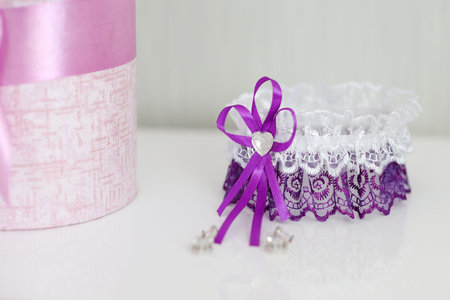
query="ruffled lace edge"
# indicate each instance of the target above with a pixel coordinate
(352, 108)
(334, 140)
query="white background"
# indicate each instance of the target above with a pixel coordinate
(195, 56)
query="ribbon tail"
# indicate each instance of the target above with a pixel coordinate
(275, 188)
(245, 198)
(259, 211)
(251, 165)
(5, 153)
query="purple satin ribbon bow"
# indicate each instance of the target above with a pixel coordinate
(259, 168)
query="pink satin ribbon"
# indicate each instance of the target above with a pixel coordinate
(259, 168)
(57, 39)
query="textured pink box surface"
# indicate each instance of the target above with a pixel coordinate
(73, 148)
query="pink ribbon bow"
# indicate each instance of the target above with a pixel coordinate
(259, 168)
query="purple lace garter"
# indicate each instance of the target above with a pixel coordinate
(345, 152)
(324, 195)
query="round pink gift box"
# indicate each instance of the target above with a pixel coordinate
(72, 133)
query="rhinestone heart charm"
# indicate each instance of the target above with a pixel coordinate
(262, 142)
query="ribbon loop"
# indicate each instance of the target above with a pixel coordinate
(276, 102)
(248, 119)
(259, 168)
(282, 146)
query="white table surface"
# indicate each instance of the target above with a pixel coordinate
(143, 250)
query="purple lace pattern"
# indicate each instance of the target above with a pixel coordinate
(324, 195)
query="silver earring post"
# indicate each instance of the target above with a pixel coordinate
(205, 241)
(279, 240)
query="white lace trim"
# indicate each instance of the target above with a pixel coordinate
(347, 125)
